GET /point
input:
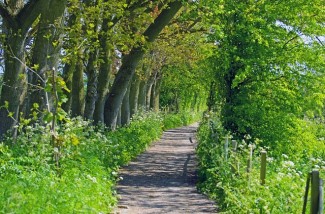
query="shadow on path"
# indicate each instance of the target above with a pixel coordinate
(163, 179)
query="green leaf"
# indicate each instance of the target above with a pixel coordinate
(48, 117)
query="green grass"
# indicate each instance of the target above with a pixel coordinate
(237, 191)
(90, 157)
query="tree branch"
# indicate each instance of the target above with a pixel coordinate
(293, 38)
(31, 10)
(162, 20)
(7, 17)
(320, 41)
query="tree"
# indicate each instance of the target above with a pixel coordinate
(130, 62)
(265, 64)
(46, 53)
(17, 17)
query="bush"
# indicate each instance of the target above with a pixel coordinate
(84, 182)
(179, 119)
(237, 191)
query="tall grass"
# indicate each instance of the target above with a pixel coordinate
(90, 157)
(237, 191)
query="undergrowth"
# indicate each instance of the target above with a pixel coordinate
(84, 182)
(226, 180)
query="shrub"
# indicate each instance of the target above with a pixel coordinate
(237, 191)
(179, 119)
(84, 182)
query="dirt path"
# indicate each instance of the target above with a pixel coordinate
(162, 180)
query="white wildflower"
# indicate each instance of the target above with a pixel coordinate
(93, 179)
(270, 159)
(281, 175)
(285, 156)
(288, 164)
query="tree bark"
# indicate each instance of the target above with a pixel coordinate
(91, 95)
(14, 80)
(228, 119)
(150, 85)
(104, 73)
(134, 95)
(103, 87)
(130, 62)
(125, 108)
(119, 118)
(77, 93)
(156, 93)
(16, 22)
(46, 51)
(142, 95)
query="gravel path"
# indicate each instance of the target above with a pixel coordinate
(162, 180)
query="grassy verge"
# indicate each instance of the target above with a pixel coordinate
(30, 181)
(227, 181)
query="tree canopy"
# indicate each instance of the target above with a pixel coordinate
(259, 63)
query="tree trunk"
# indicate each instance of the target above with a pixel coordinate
(134, 95)
(104, 73)
(16, 23)
(119, 118)
(150, 84)
(156, 93)
(125, 109)
(152, 95)
(130, 62)
(77, 93)
(68, 70)
(91, 95)
(142, 95)
(14, 80)
(229, 119)
(46, 51)
(103, 87)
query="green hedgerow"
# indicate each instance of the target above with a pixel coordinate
(227, 181)
(89, 160)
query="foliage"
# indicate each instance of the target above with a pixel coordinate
(180, 119)
(183, 88)
(268, 68)
(90, 157)
(237, 191)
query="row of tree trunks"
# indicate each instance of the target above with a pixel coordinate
(105, 101)
(45, 56)
(141, 95)
(97, 66)
(18, 18)
(131, 61)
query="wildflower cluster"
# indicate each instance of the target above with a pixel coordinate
(239, 190)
